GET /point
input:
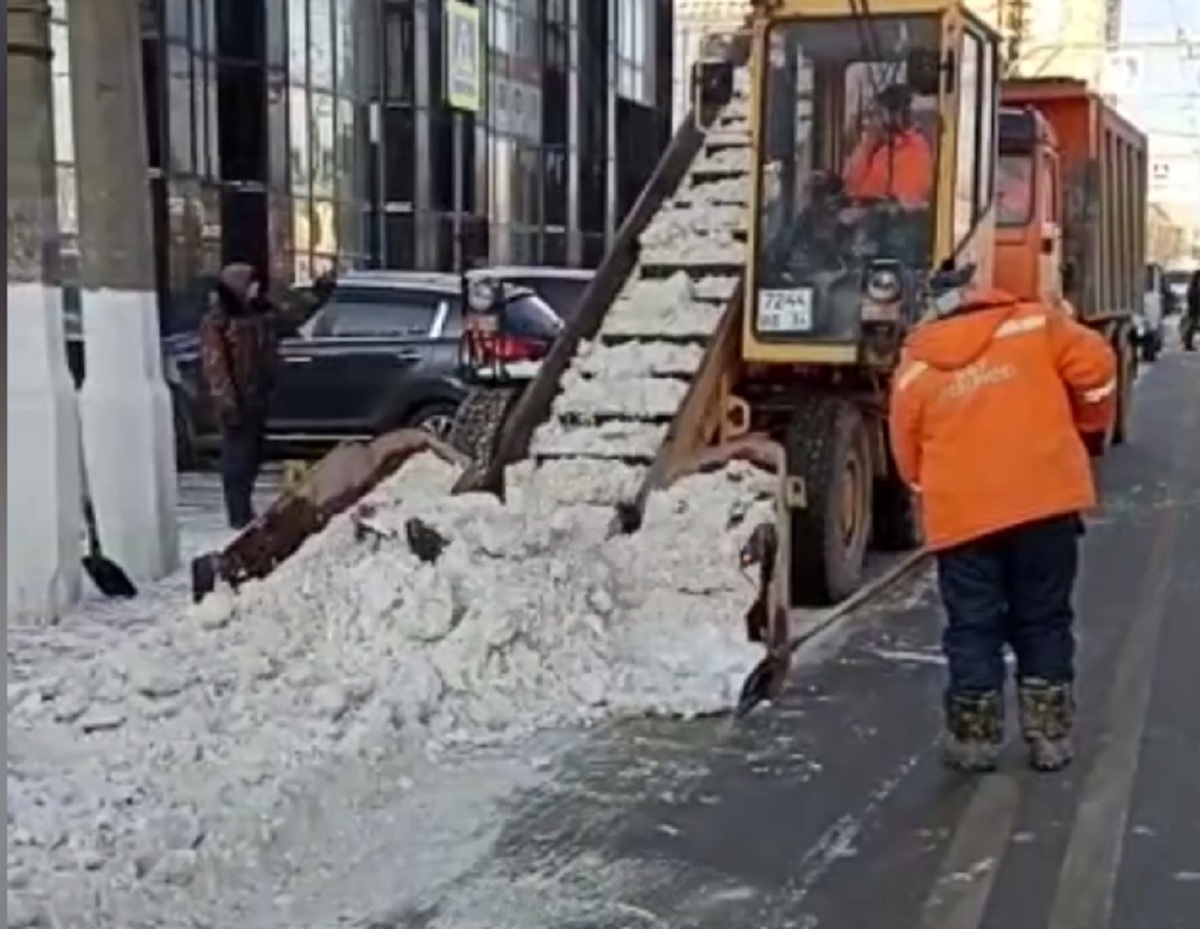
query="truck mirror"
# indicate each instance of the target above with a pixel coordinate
(1068, 276)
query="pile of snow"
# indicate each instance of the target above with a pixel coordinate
(532, 616)
(149, 763)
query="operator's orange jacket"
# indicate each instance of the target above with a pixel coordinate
(986, 413)
(902, 169)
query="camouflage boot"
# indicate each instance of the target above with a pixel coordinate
(974, 731)
(1047, 713)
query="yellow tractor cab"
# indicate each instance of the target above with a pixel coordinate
(873, 131)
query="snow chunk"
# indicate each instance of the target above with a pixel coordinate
(633, 441)
(626, 397)
(639, 359)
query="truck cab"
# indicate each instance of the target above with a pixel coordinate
(1029, 261)
(1071, 214)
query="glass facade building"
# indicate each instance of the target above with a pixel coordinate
(300, 134)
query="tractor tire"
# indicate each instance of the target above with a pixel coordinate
(895, 517)
(477, 424)
(829, 449)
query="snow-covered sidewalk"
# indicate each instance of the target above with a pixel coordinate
(334, 740)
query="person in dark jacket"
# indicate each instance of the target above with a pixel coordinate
(238, 345)
(1191, 322)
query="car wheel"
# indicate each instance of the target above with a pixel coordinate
(436, 417)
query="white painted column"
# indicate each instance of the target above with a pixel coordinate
(42, 507)
(128, 437)
(128, 433)
(42, 511)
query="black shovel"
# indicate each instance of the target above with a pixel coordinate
(108, 576)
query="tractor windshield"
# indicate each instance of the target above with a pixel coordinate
(848, 167)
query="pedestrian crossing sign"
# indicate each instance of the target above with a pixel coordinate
(462, 56)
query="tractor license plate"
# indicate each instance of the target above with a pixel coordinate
(785, 310)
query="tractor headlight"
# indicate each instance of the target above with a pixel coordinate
(883, 285)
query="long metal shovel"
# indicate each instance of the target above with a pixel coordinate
(108, 576)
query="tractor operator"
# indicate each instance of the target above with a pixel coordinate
(987, 409)
(892, 159)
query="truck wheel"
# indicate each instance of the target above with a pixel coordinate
(895, 518)
(480, 417)
(829, 450)
(1126, 374)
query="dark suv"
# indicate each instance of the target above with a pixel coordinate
(381, 353)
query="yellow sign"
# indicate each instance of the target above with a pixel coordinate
(464, 68)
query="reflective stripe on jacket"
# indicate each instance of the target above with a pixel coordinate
(987, 408)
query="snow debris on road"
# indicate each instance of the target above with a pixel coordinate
(155, 768)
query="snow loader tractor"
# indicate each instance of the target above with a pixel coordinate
(848, 245)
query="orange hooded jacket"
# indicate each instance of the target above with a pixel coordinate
(986, 414)
(901, 168)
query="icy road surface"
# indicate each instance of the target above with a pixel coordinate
(220, 765)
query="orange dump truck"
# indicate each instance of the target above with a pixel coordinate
(1071, 195)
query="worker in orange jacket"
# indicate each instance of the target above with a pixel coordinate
(987, 411)
(892, 159)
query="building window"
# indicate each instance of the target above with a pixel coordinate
(635, 58)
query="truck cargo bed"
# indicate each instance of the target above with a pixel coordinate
(1104, 170)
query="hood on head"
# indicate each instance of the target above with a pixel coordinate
(233, 288)
(956, 340)
(237, 278)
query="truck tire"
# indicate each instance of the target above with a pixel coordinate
(1150, 349)
(829, 449)
(480, 417)
(1127, 361)
(895, 517)
(1098, 443)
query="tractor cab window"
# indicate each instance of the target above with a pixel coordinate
(848, 170)
(1014, 190)
(974, 167)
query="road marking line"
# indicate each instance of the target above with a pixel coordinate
(963, 884)
(1088, 876)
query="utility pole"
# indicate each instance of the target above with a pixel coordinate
(128, 437)
(42, 459)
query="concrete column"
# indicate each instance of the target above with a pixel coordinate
(42, 469)
(128, 435)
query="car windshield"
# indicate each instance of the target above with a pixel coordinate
(561, 293)
(849, 161)
(528, 316)
(1177, 280)
(1014, 190)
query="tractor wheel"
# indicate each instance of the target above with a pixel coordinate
(829, 449)
(476, 428)
(895, 517)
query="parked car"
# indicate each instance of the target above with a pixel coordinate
(381, 353)
(1177, 280)
(562, 288)
(1148, 322)
(494, 373)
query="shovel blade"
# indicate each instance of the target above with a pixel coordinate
(761, 684)
(109, 577)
